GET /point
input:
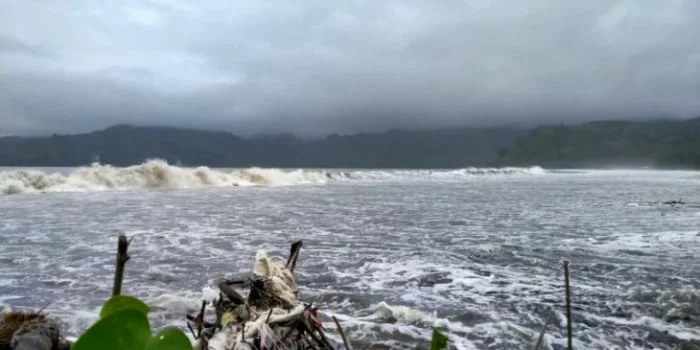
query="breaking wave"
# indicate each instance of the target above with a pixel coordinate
(159, 174)
(151, 174)
(436, 174)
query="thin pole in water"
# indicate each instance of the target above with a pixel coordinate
(568, 306)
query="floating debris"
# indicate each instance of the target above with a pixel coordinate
(271, 317)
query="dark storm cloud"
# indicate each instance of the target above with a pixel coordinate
(321, 66)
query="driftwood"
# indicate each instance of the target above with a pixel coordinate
(342, 333)
(271, 317)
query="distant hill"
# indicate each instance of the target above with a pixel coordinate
(127, 145)
(663, 143)
(660, 143)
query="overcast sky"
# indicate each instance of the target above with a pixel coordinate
(319, 66)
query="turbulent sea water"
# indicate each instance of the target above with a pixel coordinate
(475, 252)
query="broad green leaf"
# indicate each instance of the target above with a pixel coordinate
(126, 329)
(439, 341)
(170, 338)
(122, 302)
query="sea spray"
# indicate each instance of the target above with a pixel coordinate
(437, 174)
(150, 174)
(159, 174)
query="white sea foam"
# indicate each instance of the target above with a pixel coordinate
(436, 174)
(151, 174)
(479, 261)
(5, 307)
(160, 174)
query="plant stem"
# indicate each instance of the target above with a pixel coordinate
(122, 258)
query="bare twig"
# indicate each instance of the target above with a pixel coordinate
(191, 330)
(544, 329)
(199, 321)
(239, 282)
(44, 307)
(218, 309)
(307, 327)
(569, 327)
(122, 258)
(205, 323)
(325, 339)
(293, 255)
(231, 293)
(342, 333)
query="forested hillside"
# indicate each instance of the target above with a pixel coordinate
(127, 145)
(664, 143)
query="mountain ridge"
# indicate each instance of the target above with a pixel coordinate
(125, 144)
(652, 143)
(663, 143)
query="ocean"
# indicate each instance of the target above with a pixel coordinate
(392, 253)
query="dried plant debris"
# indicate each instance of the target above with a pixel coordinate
(271, 317)
(29, 330)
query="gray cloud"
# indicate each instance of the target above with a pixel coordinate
(320, 66)
(9, 46)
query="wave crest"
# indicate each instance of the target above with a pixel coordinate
(436, 174)
(151, 174)
(159, 174)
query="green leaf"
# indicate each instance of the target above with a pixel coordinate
(170, 338)
(439, 341)
(126, 329)
(122, 302)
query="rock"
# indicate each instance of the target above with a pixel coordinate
(21, 330)
(11, 322)
(36, 334)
